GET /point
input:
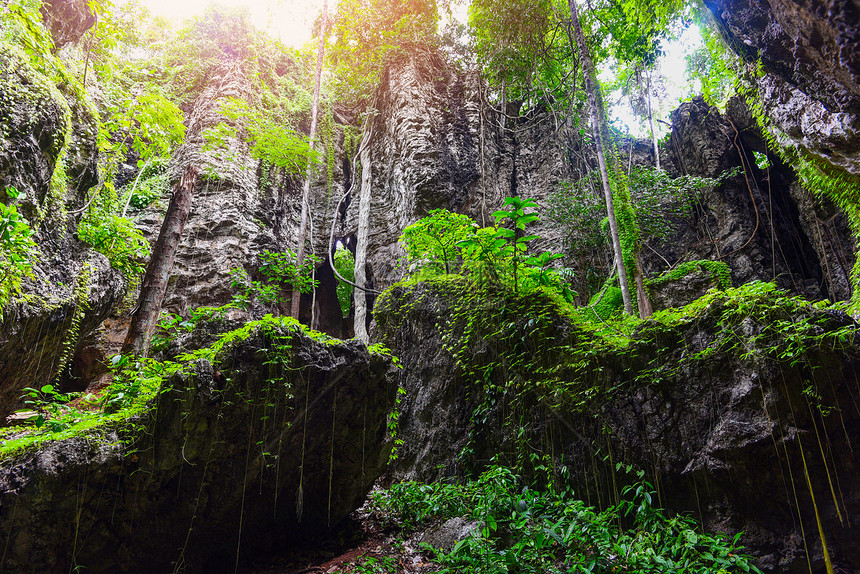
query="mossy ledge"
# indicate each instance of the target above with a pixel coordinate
(227, 450)
(723, 405)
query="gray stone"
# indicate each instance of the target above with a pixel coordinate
(811, 53)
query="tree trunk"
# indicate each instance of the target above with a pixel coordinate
(651, 118)
(145, 317)
(598, 116)
(295, 304)
(642, 299)
(360, 325)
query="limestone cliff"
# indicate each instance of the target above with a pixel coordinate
(811, 55)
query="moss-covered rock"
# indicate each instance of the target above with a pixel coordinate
(266, 437)
(723, 405)
(35, 127)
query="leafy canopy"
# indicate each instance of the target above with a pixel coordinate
(368, 34)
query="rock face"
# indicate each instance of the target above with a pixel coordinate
(240, 208)
(231, 221)
(437, 144)
(722, 416)
(35, 123)
(67, 20)
(758, 220)
(233, 457)
(811, 52)
(73, 289)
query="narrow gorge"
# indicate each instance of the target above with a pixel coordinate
(488, 369)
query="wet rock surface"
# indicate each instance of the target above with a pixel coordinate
(233, 458)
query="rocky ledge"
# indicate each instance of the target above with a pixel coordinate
(270, 435)
(725, 406)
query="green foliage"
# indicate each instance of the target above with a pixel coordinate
(21, 25)
(528, 530)
(525, 356)
(137, 381)
(373, 565)
(662, 200)
(718, 271)
(149, 124)
(578, 210)
(815, 174)
(50, 407)
(114, 236)
(344, 262)
(715, 65)
(279, 274)
(629, 231)
(369, 34)
(170, 325)
(153, 183)
(432, 241)
(18, 251)
(522, 48)
(504, 252)
(604, 303)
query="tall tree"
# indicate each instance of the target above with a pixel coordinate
(365, 202)
(598, 118)
(295, 304)
(154, 286)
(368, 34)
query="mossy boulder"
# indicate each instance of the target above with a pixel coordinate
(35, 127)
(268, 437)
(724, 405)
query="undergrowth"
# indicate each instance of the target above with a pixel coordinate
(518, 528)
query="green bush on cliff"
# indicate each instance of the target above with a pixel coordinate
(444, 242)
(431, 242)
(17, 250)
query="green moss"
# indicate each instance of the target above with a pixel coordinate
(717, 270)
(130, 397)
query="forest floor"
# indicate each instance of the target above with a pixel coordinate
(362, 545)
